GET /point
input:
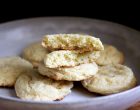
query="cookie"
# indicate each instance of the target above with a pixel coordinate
(110, 55)
(11, 68)
(32, 86)
(76, 73)
(111, 79)
(67, 58)
(34, 53)
(77, 42)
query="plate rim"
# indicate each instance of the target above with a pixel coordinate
(67, 103)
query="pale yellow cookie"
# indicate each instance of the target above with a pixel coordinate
(35, 53)
(110, 55)
(76, 73)
(111, 79)
(78, 42)
(11, 68)
(67, 58)
(32, 86)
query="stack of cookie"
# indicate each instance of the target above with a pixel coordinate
(63, 58)
(72, 58)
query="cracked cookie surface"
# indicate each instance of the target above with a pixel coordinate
(111, 79)
(11, 68)
(67, 58)
(32, 86)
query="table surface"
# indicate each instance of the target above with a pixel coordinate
(135, 107)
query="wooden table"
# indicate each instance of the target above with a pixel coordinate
(135, 107)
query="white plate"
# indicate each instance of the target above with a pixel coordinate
(14, 36)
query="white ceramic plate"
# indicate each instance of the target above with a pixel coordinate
(14, 36)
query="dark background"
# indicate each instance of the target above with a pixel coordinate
(132, 21)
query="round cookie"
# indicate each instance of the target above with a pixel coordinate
(32, 86)
(76, 73)
(67, 58)
(77, 42)
(110, 55)
(111, 79)
(11, 68)
(34, 53)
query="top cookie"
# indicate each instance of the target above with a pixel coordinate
(34, 53)
(110, 55)
(78, 42)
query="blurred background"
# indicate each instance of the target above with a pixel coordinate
(129, 20)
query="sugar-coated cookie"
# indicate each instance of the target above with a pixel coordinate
(11, 68)
(110, 55)
(111, 79)
(32, 86)
(35, 53)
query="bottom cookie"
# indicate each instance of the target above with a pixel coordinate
(76, 73)
(32, 86)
